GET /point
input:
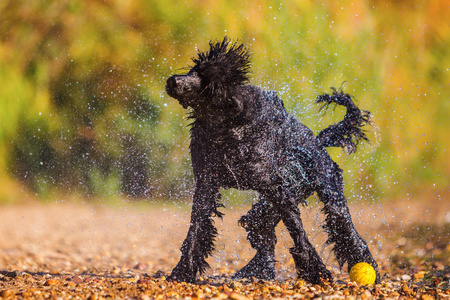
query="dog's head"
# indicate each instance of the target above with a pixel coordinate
(212, 82)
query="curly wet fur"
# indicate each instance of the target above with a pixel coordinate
(242, 137)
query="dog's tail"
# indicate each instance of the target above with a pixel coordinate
(347, 133)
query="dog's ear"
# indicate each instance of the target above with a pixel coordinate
(224, 67)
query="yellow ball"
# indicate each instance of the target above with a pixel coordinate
(363, 274)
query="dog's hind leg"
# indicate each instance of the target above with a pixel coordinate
(260, 223)
(349, 246)
(308, 263)
(199, 242)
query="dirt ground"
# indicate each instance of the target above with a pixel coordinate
(85, 251)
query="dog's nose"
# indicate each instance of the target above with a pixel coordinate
(171, 82)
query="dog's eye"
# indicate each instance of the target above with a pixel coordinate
(194, 75)
(193, 72)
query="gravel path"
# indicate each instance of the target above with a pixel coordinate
(66, 250)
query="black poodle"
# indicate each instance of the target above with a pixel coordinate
(242, 137)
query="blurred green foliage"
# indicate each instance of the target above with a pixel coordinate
(83, 108)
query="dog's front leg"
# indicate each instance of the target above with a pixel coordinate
(199, 242)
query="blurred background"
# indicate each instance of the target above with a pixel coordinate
(83, 111)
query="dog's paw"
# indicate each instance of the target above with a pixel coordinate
(260, 267)
(182, 274)
(310, 266)
(181, 278)
(317, 276)
(265, 273)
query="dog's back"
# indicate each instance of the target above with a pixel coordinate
(257, 149)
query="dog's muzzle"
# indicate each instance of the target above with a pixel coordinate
(184, 88)
(171, 86)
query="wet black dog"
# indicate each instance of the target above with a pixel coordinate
(242, 137)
